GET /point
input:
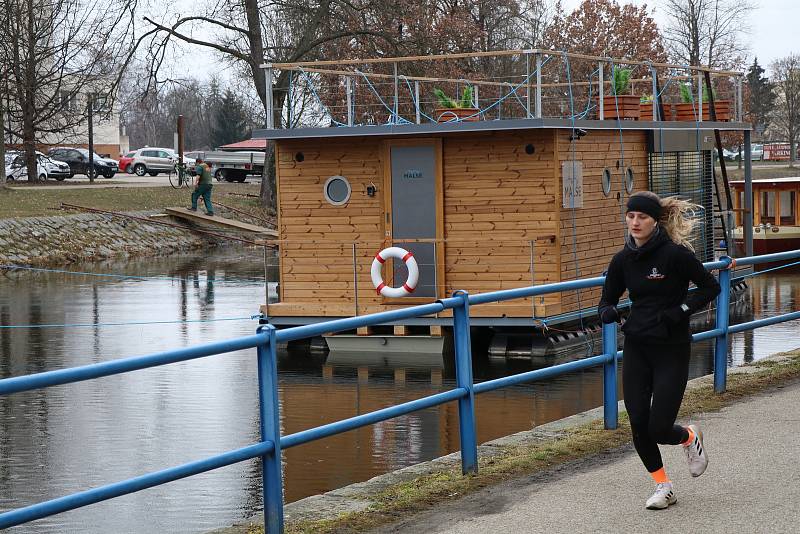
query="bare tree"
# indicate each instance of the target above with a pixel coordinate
(786, 116)
(707, 32)
(57, 51)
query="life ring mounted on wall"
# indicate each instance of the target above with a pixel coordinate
(411, 264)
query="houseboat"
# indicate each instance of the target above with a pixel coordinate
(776, 215)
(526, 187)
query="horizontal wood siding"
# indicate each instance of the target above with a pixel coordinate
(316, 252)
(591, 235)
(497, 200)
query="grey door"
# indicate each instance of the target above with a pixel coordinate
(414, 206)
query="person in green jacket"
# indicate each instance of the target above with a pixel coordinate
(202, 187)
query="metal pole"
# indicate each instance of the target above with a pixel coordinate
(435, 272)
(355, 279)
(268, 95)
(721, 341)
(349, 90)
(610, 376)
(181, 143)
(266, 283)
(655, 93)
(538, 86)
(475, 98)
(270, 431)
(466, 405)
(416, 97)
(600, 90)
(289, 106)
(739, 110)
(700, 95)
(533, 279)
(528, 85)
(747, 220)
(91, 172)
(396, 97)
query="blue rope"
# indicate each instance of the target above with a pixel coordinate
(117, 276)
(131, 323)
(310, 85)
(396, 118)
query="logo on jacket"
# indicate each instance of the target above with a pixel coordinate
(655, 275)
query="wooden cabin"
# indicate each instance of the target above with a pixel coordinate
(776, 215)
(483, 205)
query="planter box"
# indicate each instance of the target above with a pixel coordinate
(688, 112)
(626, 105)
(646, 112)
(462, 114)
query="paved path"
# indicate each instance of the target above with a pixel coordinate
(752, 485)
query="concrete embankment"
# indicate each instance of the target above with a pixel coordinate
(48, 241)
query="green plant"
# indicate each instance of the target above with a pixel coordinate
(646, 99)
(621, 79)
(446, 102)
(687, 97)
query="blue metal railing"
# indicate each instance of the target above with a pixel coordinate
(265, 342)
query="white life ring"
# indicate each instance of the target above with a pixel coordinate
(411, 264)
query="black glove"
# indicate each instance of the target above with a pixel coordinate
(609, 315)
(674, 315)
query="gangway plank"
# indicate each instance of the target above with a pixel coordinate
(216, 220)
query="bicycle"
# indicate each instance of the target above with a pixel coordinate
(178, 176)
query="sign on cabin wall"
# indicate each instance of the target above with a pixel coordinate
(572, 184)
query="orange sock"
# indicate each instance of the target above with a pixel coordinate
(691, 437)
(660, 476)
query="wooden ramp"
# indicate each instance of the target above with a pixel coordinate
(220, 222)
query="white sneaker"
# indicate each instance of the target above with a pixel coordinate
(662, 498)
(696, 453)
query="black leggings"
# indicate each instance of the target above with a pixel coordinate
(653, 379)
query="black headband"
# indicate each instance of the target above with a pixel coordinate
(645, 204)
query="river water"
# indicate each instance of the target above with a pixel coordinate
(73, 437)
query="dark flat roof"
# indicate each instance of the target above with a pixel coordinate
(490, 125)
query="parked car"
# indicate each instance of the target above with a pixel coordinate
(55, 169)
(78, 161)
(124, 162)
(730, 155)
(155, 160)
(756, 152)
(16, 169)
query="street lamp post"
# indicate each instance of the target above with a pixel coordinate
(90, 170)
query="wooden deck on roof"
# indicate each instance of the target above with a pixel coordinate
(221, 222)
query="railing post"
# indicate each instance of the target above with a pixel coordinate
(268, 95)
(270, 431)
(466, 405)
(601, 112)
(538, 85)
(721, 341)
(610, 376)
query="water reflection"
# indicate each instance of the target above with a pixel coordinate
(69, 438)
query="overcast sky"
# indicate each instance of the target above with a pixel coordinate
(773, 32)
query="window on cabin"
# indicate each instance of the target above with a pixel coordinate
(787, 208)
(767, 207)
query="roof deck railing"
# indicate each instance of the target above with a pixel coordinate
(271, 444)
(505, 84)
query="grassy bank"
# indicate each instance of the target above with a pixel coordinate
(760, 172)
(42, 201)
(426, 492)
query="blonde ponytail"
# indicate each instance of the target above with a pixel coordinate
(677, 217)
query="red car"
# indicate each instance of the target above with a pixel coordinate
(125, 160)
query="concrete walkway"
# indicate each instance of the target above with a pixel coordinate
(752, 485)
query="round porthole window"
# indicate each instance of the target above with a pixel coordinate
(629, 180)
(606, 182)
(337, 190)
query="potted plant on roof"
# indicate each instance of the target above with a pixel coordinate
(688, 110)
(450, 110)
(619, 105)
(646, 103)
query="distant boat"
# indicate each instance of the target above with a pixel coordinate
(776, 215)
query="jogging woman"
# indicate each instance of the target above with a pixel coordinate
(656, 267)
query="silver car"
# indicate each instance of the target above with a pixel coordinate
(154, 160)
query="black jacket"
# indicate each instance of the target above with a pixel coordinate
(657, 277)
